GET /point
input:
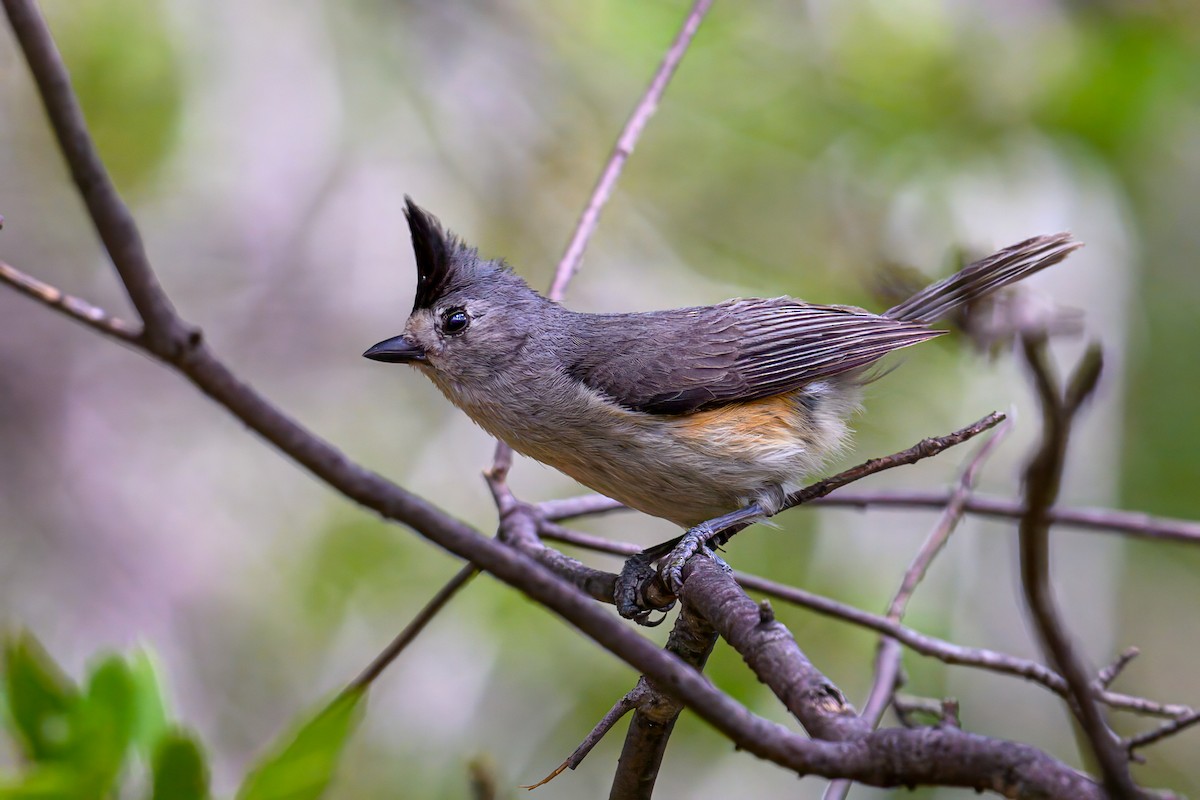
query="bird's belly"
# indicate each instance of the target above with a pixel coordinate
(693, 467)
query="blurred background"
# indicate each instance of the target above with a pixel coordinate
(266, 148)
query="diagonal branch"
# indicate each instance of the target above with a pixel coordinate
(413, 629)
(630, 134)
(889, 656)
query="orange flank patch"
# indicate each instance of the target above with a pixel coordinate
(769, 418)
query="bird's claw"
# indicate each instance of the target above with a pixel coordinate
(630, 597)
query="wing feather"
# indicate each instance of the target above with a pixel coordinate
(690, 359)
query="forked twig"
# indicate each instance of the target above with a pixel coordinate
(1043, 476)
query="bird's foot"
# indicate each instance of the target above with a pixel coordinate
(634, 595)
(694, 541)
(641, 591)
(698, 538)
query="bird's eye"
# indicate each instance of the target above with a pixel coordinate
(455, 321)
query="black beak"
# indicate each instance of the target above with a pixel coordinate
(397, 350)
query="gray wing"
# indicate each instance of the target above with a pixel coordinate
(690, 359)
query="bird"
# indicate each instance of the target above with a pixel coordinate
(706, 416)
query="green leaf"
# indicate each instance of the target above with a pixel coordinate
(150, 724)
(44, 782)
(41, 699)
(103, 725)
(180, 772)
(301, 769)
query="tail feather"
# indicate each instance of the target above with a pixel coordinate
(983, 277)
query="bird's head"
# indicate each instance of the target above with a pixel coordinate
(471, 317)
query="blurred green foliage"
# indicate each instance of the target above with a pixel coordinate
(83, 743)
(126, 73)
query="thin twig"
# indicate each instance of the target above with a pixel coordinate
(627, 703)
(1162, 732)
(1106, 520)
(1106, 676)
(1043, 478)
(1131, 523)
(413, 629)
(926, 448)
(881, 692)
(888, 656)
(77, 309)
(572, 257)
(624, 148)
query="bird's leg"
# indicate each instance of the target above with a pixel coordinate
(671, 567)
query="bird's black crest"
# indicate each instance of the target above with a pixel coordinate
(435, 250)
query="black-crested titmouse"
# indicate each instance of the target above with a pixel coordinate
(706, 416)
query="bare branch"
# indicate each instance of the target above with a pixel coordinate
(77, 309)
(627, 703)
(1043, 476)
(1162, 732)
(771, 652)
(1131, 523)
(1106, 676)
(583, 505)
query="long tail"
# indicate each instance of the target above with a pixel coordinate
(985, 276)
